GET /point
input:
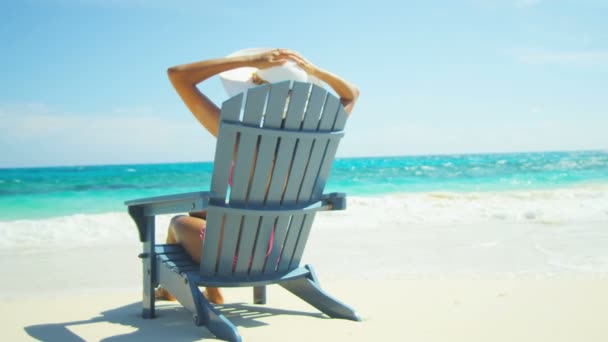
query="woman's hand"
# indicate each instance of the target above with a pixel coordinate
(277, 57)
(348, 92)
(302, 62)
(268, 59)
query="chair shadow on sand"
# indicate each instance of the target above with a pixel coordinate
(173, 322)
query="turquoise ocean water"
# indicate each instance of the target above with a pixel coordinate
(39, 193)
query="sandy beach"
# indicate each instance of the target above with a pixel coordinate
(524, 309)
(437, 279)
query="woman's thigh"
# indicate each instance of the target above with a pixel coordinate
(187, 230)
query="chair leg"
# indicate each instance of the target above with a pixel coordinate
(204, 313)
(149, 271)
(148, 302)
(210, 317)
(148, 293)
(259, 295)
(308, 289)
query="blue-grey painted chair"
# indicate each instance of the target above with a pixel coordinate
(279, 140)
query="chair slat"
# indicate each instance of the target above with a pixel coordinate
(297, 103)
(313, 110)
(262, 243)
(328, 117)
(279, 237)
(298, 167)
(231, 108)
(242, 168)
(211, 242)
(178, 258)
(309, 179)
(246, 242)
(276, 104)
(254, 105)
(262, 171)
(168, 249)
(330, 154)
(225, 145)
(290, 242)
(340, 119)
(281, 169)
(232, 229)
(301, 243)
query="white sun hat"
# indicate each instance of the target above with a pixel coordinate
(238, 80)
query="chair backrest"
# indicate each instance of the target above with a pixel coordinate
(272, 159)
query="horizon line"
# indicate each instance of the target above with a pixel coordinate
(2, 168)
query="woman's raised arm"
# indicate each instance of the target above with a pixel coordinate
(185, 78)
(347, 91)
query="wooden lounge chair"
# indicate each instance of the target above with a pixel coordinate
(276, 148)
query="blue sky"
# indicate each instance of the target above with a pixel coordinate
(84, 82)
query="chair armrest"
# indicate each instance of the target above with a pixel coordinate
(171, 204)
(334, 200)
(143, 208)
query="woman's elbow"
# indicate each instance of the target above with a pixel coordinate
(178, 77)
(353, 96)
(355, 93)
(174, 73)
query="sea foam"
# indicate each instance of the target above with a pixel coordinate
(577, 205)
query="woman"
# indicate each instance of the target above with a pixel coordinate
(189, 230)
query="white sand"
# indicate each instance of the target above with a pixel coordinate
(403, 310)
(490, 279)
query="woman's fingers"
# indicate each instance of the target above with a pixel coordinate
(269, 59)
(303, 63)
(295, 55)
(280, 56)
(296, 58)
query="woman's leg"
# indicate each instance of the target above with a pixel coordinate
(186, 230)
